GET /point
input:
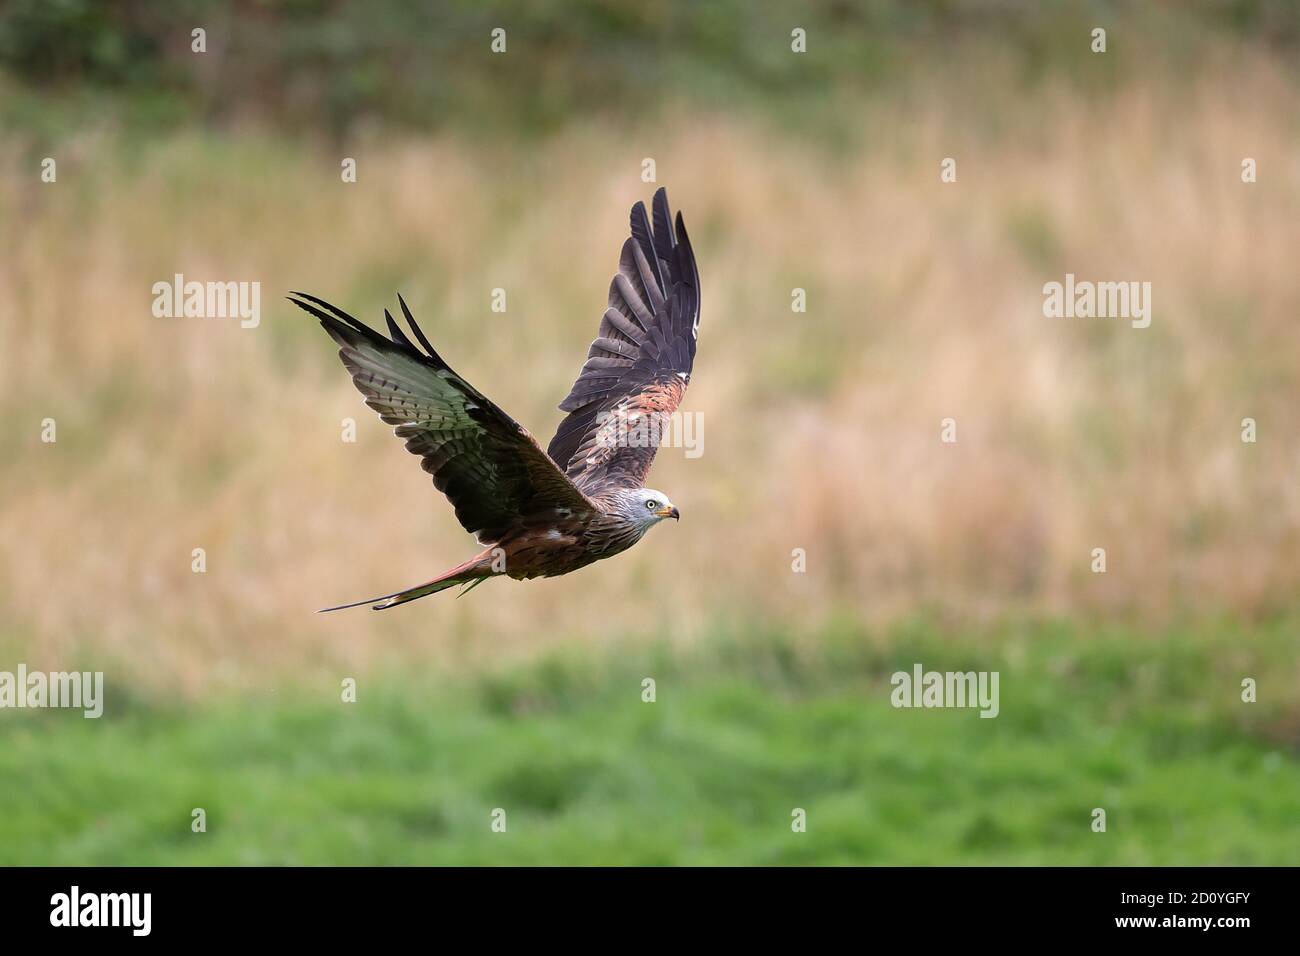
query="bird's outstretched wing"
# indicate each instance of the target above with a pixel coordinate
(640, 363)
(487, 464)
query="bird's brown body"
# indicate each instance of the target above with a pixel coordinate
(553, 544)
(544, 513)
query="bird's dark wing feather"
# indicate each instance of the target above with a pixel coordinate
(640, 363)
(487, 464)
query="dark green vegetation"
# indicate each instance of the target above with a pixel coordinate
(1150, 728)
(323, 66)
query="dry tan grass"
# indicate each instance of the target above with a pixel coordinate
(822, 430)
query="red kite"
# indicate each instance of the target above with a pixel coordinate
(543, 513)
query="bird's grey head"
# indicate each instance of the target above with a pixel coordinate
(645, 507)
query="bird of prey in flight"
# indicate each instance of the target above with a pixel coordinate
(543, 513)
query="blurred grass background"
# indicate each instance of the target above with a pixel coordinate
(817, 171)
(740, 735)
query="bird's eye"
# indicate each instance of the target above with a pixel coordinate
(651, 505)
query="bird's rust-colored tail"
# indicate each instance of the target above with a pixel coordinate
(473, 573)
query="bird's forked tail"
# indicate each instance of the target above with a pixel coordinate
(472, 573)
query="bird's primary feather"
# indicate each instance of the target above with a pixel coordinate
(640, 363)
(489, 467)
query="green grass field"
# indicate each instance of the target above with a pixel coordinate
(1151, 728)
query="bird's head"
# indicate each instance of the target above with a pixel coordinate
(648, 507)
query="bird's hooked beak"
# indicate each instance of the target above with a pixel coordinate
(669, 513)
